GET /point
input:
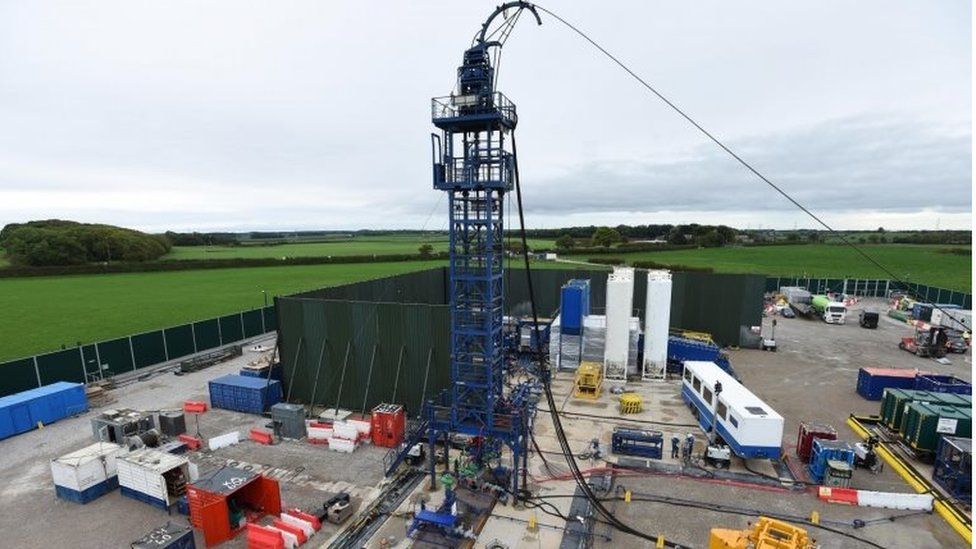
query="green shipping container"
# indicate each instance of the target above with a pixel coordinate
(888, 401)
(893, 414)
(926, 423)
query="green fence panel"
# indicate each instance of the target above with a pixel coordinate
(179, 341)
(61, 366)
(207, 334)
(270, 319)
(116, 356)
(231, 329)
(17, 376)
(253, 321)
(149, 349)
(89, 354)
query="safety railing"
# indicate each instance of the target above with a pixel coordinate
(455, 106)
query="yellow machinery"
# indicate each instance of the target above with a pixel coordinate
(589, 380)
(631, 403)
(766, 533)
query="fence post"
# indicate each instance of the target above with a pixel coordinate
(264, 329)
(37, 371)
(84, 371)
(220, 333)
(132, 353)
(243, 331)
(165, 345)
(193, 335)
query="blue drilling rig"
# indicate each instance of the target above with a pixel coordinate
(474, 164)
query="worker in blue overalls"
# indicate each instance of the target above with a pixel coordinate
(675, 445)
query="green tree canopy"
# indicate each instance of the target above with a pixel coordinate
(58, 242)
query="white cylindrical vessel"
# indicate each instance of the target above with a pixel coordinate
(620, 303)
(657, 318)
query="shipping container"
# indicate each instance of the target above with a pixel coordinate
(943, 384)
(924, 424)
(871, 382)
(220, 499)
(23, 411)
(167, 536)
(154, 477)
(88, 473)
(808, 432)
(574, 305)
(895, 400)
(244, 394)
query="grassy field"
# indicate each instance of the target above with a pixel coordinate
(360, 245)
(41, 313)
(917, 263)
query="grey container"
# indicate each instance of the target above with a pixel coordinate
(289, 420)
(172, 423)
(168, 536)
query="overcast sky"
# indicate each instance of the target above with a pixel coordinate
(206, 115)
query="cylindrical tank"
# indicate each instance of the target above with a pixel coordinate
(657, 318)
(620, 303)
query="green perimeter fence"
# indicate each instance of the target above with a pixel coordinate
(869, 287)
(105, 359)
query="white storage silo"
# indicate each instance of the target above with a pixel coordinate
(657, 318)
(620, 303)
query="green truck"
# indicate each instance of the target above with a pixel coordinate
(832, 312)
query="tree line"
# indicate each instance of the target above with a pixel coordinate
(53, 242)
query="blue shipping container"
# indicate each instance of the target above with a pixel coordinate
(681, 349)
(871, 382)
(574, 304)
(244, 394)
(22, 411)
(942, 384)
(824, 451)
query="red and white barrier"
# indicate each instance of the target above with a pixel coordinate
(884, 500)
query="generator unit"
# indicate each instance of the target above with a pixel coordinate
(118, 425)
(831, 463)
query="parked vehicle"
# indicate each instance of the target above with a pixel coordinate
(833, 312)
(868, 318)
(955, 342)
(798, 298)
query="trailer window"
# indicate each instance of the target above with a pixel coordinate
(696, 384)
(688, 375)
(733, 421)
(707, 395)
(721, 409)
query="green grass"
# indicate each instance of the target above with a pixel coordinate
(360, 245)
(41, 313)
(917, 263)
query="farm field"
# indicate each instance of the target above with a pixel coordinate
(359, 245)
(916, 263)
(45, 312)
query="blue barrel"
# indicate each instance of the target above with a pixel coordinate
(244, 394)
(574, 304)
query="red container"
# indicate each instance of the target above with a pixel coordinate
(209, 509)
(809, 431)
(388, 424)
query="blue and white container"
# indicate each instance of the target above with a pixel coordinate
(244, 394)
(154, 477)
(574, 305)
(88, 473)
(21, 412)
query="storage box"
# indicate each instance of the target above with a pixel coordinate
(167, 536)
(244, 394)
(942, 384)
(388, 424)
(871, 382)
(808, 432)
(22, 411)
(88, 473)
(290, 418)
(925, 424)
